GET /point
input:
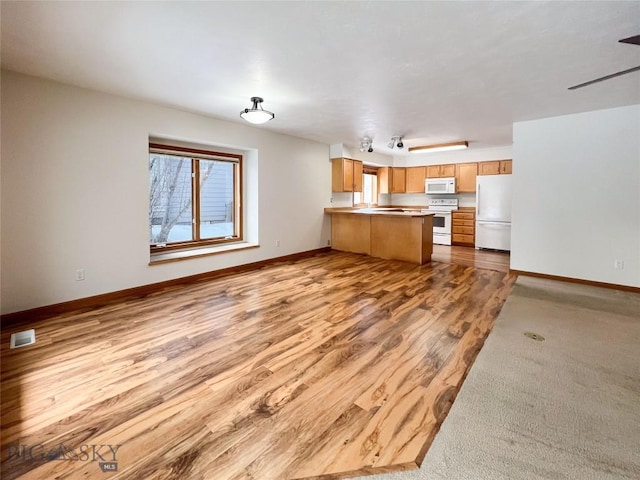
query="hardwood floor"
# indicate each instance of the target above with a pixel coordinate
(331, 366)
(470, 257)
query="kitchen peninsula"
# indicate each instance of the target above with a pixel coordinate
(391, 233)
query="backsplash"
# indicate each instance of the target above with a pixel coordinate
(344, 199)
(420, 199)
(341, 199)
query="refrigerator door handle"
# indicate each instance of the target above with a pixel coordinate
(478, 203)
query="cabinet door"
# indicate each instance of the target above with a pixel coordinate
(398, 179)
(337, 175)
(489, 168)
(357, 176)
(347, 175)
(505, 166)
(383, 180)
(466, 177)
(448, 170)
(433, 171)
(415, 180)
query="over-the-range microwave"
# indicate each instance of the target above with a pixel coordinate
(440, 185)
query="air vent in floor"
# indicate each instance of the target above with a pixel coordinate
(22, 339)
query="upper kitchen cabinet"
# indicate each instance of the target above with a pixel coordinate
(441, 171)
(506, 167)
(383, 179)
(346, 175)
(357, 176)
(495, 167)
(398, 179)
(466, 174)
(415, 179)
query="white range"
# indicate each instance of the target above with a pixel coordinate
(442, 208)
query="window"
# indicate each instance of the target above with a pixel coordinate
(194, 197)
(369, 195)
(370, 188)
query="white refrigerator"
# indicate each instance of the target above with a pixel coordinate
(493, 212)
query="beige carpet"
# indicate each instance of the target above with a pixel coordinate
(564, 408)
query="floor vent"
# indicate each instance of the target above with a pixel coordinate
(22, 339)
(534, 336)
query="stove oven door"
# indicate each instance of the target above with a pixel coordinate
(442, 228)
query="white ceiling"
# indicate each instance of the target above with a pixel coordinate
(336, 71)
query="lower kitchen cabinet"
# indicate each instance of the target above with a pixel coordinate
(463, 228)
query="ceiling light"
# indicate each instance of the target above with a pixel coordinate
(396, 141)
(366, 144)
(256, 114)
(440, 147)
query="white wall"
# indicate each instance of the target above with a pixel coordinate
(576, 205)
(75, 191)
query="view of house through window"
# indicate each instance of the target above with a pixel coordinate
(193, 197)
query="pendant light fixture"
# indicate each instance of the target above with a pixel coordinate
(256, 114)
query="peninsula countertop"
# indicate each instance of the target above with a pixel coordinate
(386, 211)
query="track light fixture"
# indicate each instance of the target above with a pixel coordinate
(366, 144)
(256, 114)
(396, 142)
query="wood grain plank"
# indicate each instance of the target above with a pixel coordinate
(330, 366)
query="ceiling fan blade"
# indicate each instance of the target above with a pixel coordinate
(635, 40)
(606, 77)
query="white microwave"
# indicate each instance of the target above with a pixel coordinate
(439, 185)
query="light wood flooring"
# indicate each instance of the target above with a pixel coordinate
(470, 257)
(325, 367)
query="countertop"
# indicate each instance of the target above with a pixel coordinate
(387, 211)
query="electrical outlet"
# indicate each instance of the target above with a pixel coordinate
(328, 243)
(618, 264)
(277, 243)
(79, 274)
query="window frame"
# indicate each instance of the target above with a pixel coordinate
(195, 155)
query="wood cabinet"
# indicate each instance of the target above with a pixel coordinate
(398, 179)
(506, 167)
(383, 179)
(346, 175)
(466, 174)
(357, 176)
(441, 171)
(394, 236)
(415, 179)
(495, 167)
(463, 228)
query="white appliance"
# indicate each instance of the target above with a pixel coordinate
(440, 186)
(493, 212)
(441, 209)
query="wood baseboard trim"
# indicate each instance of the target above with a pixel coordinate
(612, 286)
(89, 303)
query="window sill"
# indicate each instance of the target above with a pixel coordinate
(177, 255)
